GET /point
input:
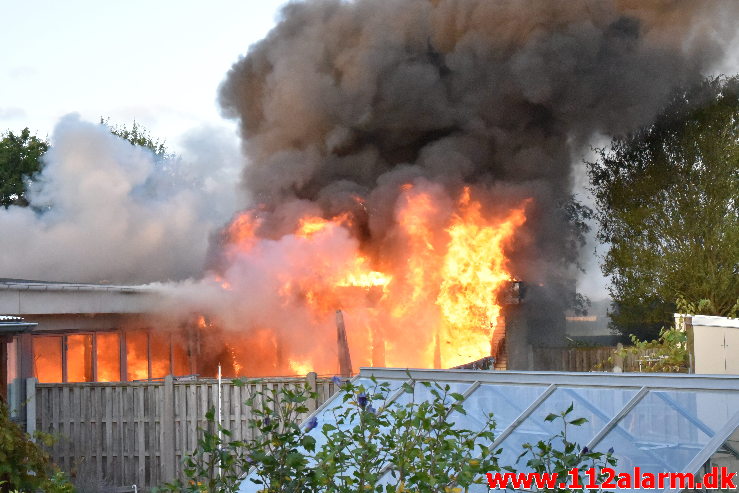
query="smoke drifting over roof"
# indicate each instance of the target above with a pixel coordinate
(354, 98)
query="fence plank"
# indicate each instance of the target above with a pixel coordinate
(118, 434)
(167, 419)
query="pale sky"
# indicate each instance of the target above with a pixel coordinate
(159, 62)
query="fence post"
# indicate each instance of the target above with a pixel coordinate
(311, 380)
(618, 359)
(30, 406)
(169, 456)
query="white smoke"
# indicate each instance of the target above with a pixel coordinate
(103, 210)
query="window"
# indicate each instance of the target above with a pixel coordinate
(79, 358)
(108, 352)
(137, 354)
(47, 358)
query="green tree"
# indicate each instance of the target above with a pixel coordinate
(666, 198)
(20, 161)
(138, 135)
(20, 157)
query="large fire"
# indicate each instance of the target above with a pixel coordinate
(427, 297)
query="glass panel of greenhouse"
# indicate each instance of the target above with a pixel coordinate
(659, 423)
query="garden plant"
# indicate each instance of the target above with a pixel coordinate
(379, 440)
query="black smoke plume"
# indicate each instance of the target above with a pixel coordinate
(353, 98)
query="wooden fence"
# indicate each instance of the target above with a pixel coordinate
(118, 434)
(589, 359)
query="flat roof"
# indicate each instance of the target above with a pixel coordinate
(32, 285)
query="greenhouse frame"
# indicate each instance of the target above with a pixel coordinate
(660, 423)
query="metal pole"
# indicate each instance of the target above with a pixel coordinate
(220, 414)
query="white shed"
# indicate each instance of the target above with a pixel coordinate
(714, 343)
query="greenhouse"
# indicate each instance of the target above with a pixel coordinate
(660, 423)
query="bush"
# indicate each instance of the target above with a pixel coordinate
(369, 435)
(24, 465)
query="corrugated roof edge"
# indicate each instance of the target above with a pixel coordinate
(28, 285)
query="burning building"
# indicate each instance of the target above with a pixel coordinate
(406, 161)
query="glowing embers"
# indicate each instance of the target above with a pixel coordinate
(423, 293)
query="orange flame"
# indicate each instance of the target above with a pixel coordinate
(473, 272)
(427, 297)
(300, 367)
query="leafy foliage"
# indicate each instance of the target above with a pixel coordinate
(20, 161)
(558, 455)
(422, 449)
(138, 135)
(577, 216)
(666, 199)
(704, 307)
(667, 354)
(373, 432)
(24, 465)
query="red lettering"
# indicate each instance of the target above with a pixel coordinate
(661, 479)
(590, 473)
(624, 480)
(608, 484)
(727, 479)
(649, 482)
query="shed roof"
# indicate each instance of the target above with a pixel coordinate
(10, 324)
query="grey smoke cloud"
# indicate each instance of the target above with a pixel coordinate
(354, 97)
(104, 210)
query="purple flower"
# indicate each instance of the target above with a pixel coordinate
(336, 380)
(610, 450)
(585, 450)
(362, 400)
(312, 423)
(266, 421)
